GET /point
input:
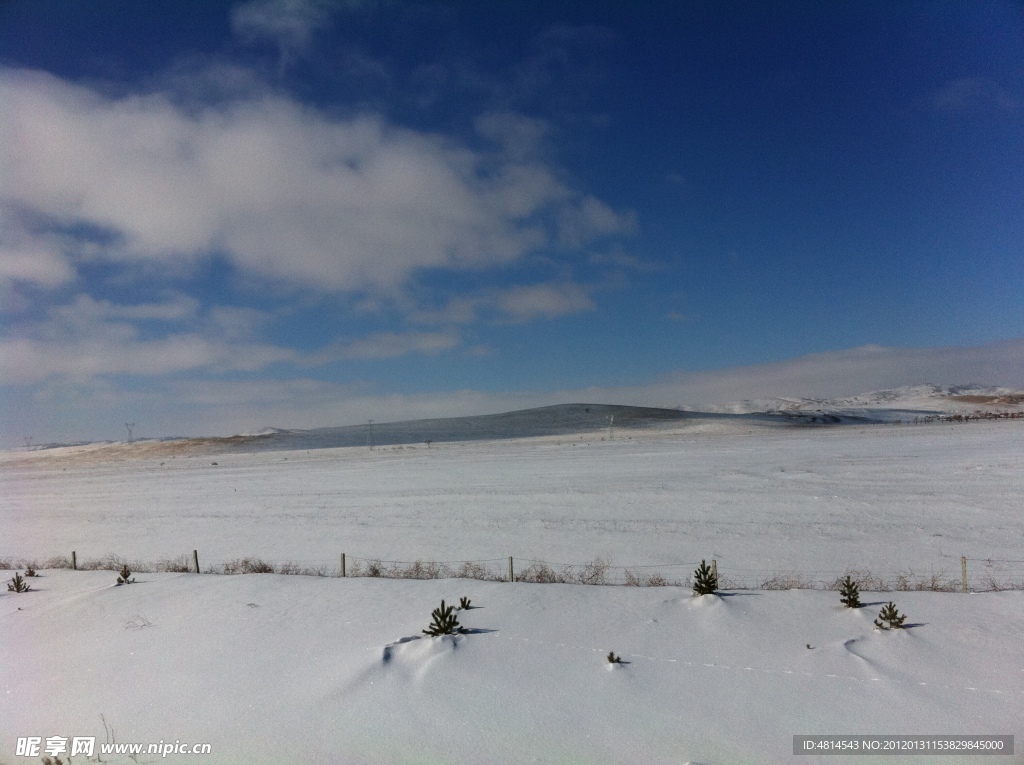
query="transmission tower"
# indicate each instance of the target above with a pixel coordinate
(130, 426)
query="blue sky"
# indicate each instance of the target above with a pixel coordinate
(221, 216)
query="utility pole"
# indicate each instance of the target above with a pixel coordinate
(611, 425)
(28, 442)
(369, 434)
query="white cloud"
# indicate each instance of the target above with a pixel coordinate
(965, 93)
(289, 24)
(590, 219)
(86, 310)
(88, 338)
(619, 259)
(548, 300)
(387, 345)
(520, 136)
(34, 263)
(284, 192)
(515, 304)
(117, 350)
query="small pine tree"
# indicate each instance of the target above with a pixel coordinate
(125, 576)
(704, 582)
(445, 622)
(17, 584)
(849, 593)
(30, 571)
(464, 604)
(613, 659)
(893, 619)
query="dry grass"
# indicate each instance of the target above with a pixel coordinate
(993, 576)
(180, 565)
(473, 570)
(542, 573)
(788, 581)
(12, 564)
(116, 563)
(864, 579)
(593, 572)
(636, 579)
(248, 566)
(906, 581)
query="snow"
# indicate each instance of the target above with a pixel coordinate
(273, 668)
(905, 404)
(766, 501)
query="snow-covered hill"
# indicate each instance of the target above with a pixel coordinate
(907, 404)
(268, 668)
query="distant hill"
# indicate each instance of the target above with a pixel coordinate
(898, 404)
(909, 404)
(560, 419)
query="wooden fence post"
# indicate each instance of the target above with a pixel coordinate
(963, 574)
(714, 570)
(195, 559)
(343, 565)
(511, 573)
(74, 560)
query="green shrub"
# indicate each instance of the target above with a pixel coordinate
(17, 584)
(444, 622)
(849, 593)
(893, 619)
(704, 581)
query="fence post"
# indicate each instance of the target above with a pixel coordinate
(343, 565)
(714, 570)
(963, 573)
(195, 559)
(74, 560)
(511, 573)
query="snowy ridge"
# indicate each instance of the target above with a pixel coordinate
(897, 404)
(907, 404)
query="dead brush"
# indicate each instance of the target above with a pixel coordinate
(635, 578)
(420, 570)
(865, 581)
(787, 581)
(542, 573)
(593, 572)
(907, 581)
(248, 566)
(179, 565)
(115, 563)
(472, 570)
(371, 568)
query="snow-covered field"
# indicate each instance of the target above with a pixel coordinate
(270, 669)
(275, 669)
(761, 501)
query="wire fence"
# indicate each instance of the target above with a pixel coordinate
(953, 575)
